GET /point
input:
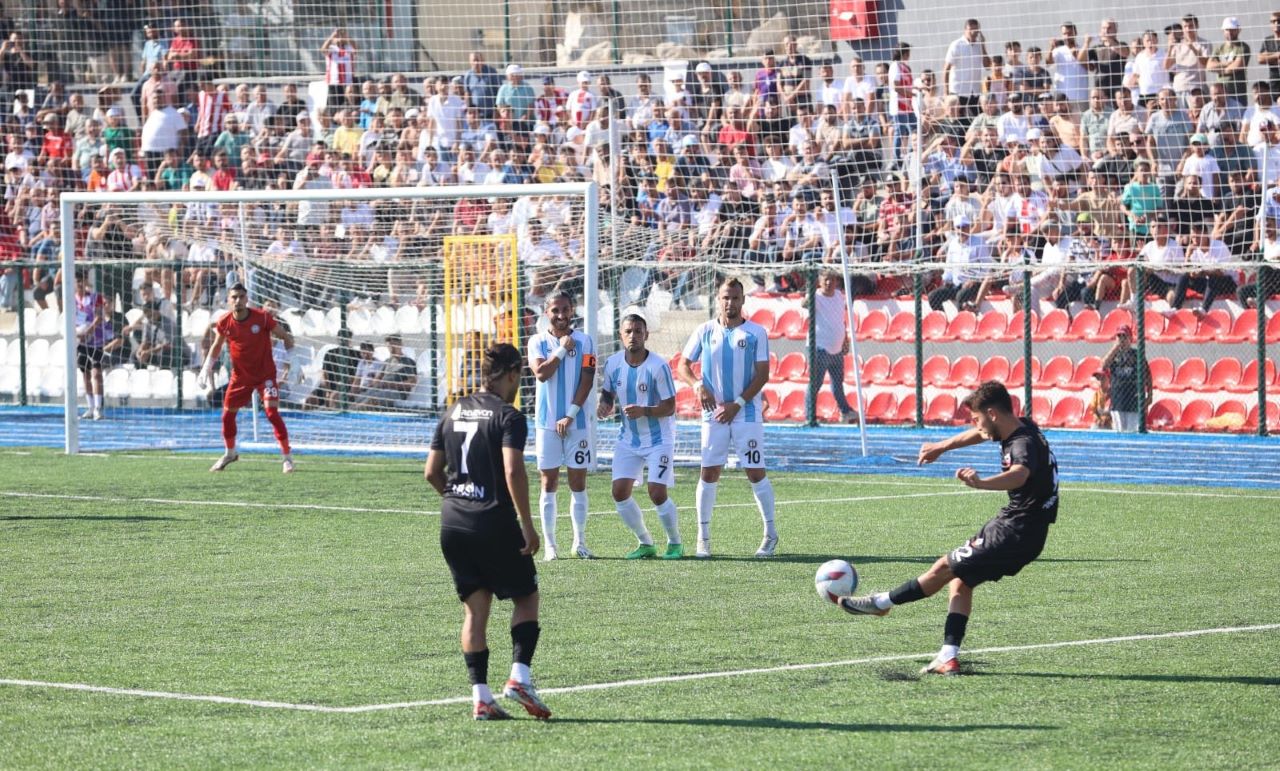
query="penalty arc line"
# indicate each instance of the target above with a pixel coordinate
(364, 708)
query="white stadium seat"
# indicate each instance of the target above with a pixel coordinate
(116, 383)
(407, 320)
(49, 324)
(38, 353)
(385, 321)
(140, 384)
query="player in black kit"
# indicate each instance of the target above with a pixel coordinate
(477, 466)
(1005, 544)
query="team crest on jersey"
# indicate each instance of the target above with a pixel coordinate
(751, 443)
(255, 329)
(664, 459)
(642, 387)
(583, 444)
(742, 343)
(574, 352)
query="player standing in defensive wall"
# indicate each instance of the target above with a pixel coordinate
(640, 384)
(735, 367)
(477, 465)
(1007, 543)
(564, 362)
(247, 333)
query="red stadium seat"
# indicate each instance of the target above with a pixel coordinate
(1017, 404)
(906, 412)
(1053, 327)
(1015, 329)
(790, 324)
(1056, 373)
(826, 407)
(1118, 317)
(1244, 329)
(1223, 376)
(1155, 323)
(995, 368)
(873, 325)
(1273, 419)
(793, 367)
(687, 404)
(1249, 378)
(765, 318)
(962, 414)
(1082, 377)
(963, 327)
(1164, 414)
(902, 327)
(1231, 415)
(1215, 326)
(1040, 411)
(771, 401)
(991, 326)
(903, 372)
(933, 326)
(875, 370)
(935, 370)
(880, 407)
(1191, 375)
(792, 407)
(1161, 372)
(941, 411)
(1017, 372)
(1084, 326)
(964, 373)
(1178, 328)
(1066, 413)
(1195, 414)
(1273, 329)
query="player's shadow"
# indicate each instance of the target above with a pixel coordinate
(86, 518)
(1144, 678)
(1084, 559)
(818, 559)
(813, 725)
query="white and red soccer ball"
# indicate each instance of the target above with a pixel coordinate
(835, 579)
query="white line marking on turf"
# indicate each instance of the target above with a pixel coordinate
(265, 704)
(235, 504)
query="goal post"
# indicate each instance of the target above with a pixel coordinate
(332, 263)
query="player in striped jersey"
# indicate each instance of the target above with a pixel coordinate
(564, 362)
(339, 52)
(640, 383)
(735, 367)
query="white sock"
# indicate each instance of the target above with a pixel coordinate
(882, 600)
(96, 400)
(547, 507)
(949, 652)
(706, 501)
(578, 512)
(667, 515)
(631, 515)
(763, 491)
(481, 693)
(520, 673)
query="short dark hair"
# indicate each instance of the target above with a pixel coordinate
(238, 287)
(634, 318)
(989, 394)
(499, 359)
(733, 282)
(558, 295)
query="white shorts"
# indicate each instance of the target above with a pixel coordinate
(573, 451)
(747, 440)
(628, 463)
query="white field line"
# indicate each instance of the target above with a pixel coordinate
(265, 704)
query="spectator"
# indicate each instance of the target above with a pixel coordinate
(162, 131)
(1070, 76)
(395, 380)
(338, 368)
(1098, 409)
(1094, 123)
(795, 75)
(259, 112)
(965, 61)
(154, 52)
(1149, 74)
(1186, 59)
(768, 88)
(339, 52)
(154, 337)
(1269, 54)
(706, 96)
(831, 334)
(481, 83)
(1205, 247)
(183, 55)
(1141, 200)
(367, 370)
(518, 96)
(232, 140)
(1121, 364)
(1268, 273)
(1230, 60)
(213, 105)
(1161, 251)
(961, 279)
(57, 143)
(1107, 58)
(1169, 128)
(125, 177)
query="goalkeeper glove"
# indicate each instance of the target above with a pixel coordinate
(205, 378)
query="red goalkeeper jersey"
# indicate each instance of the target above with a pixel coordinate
(249, 343)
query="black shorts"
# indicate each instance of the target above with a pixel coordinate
(998, 550)
(88, 357)
(489, 559)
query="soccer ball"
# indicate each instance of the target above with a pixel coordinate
(835, 579)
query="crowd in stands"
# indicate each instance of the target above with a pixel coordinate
(1090, 149)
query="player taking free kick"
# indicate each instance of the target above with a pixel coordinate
(247, 332)
(486, 529)
(1007, 543)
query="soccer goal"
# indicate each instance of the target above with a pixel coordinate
(391, 294)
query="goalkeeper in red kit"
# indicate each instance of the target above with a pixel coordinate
(247, 332)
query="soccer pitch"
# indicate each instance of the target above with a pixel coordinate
(249, 619)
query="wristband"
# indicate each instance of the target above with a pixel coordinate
(740, 402)
(560, 353)
(572, 412)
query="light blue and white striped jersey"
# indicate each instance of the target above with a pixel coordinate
(556, 394)
(728, 357)
(647, 385)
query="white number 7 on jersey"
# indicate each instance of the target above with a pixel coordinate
(468, 427)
